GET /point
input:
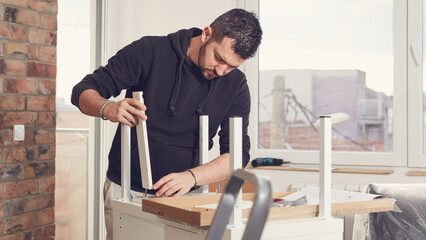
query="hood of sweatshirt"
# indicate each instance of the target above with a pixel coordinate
(180, 43)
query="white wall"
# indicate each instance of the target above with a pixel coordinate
(130, 20)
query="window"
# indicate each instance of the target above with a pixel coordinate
(72, 127)
(331, 57)
(416, 83)
(343, 68)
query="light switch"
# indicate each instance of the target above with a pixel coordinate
(18, 132)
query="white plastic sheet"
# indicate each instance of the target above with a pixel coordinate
(410, 223)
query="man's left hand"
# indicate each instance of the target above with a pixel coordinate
(174, 184)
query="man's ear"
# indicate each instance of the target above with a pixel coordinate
(206, 34)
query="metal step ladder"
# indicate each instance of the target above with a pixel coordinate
(259, 212)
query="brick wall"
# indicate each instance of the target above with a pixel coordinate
(27, 96)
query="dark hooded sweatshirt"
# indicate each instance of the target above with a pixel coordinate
(176, 94)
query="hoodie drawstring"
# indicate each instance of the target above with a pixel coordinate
(175, 93)
(200, 106)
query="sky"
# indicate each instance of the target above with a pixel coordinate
(330, 34)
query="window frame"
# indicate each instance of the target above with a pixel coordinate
(397, 158)
(416, 156)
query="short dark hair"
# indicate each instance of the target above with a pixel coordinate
(241, 26)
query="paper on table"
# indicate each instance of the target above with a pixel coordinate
(312, 196)
(337, 196)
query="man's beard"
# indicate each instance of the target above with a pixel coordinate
(205, 71)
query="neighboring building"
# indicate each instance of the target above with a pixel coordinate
(312, 93)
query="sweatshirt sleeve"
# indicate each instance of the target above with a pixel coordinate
(123, 71)
(240, 107)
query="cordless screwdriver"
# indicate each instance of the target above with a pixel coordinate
(267, 162)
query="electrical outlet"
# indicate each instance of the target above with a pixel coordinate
(18, 132)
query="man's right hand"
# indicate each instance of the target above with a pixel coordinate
(125, 111)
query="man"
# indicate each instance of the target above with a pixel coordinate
(186, 74)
